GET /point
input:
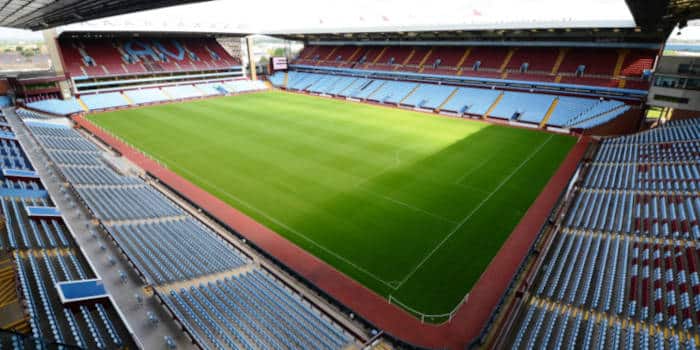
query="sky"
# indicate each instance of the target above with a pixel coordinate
(280, 16)
(324, 15)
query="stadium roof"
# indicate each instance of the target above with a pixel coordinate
(663, 15)
(42, 14)
(659, 16)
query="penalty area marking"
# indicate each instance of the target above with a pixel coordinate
(466, 218)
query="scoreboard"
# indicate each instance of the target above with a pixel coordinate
(278, 63)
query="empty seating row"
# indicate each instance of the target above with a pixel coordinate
(675, 130)
(57, 132)
(212, 89)
(366, 89)
(649, 153)
(44, 254)
(585, 66)
(69, 144)
(568, 112)
(30, 185)
(169, 251)
(27, 114)
(182, 92)
(56, 106)
(568, 108)
(429, 96)
(128, 203)
(664, 216)
(322, 86)
(12, 156)
(277, 79)
(146, 96)
(94, 57)
(471, 101)
(626, 251)
(602, 211)
(302, 81)
(91, 325)
(351, 87)
(26, 232)
(552, 326)
(645, 177)
(601, 113)
(66, 157)
(104, 101)
(97, 176)
(392, 91)
(524, 107)
(253, 310)
(244, 85)
(649, 282)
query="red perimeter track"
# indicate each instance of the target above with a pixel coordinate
(471, 315)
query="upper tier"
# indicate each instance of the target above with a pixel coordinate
(611, 67)
(87, 57)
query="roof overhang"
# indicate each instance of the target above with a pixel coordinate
(663, 15)
(589, 34)
(43, 14)
(654, 20)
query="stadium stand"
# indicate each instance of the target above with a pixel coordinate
(243, 307)
(146, 96)
(569, 112)
(182, 92)
(176, 249)
(522, 106)
(277, 78)
(242, 85)
(392, 91)
(55, 106)
(110, 100)
(365, 90)
(622, 269)
(94, 57)
(212, 89)
(429, 96)
(243, 304)
(471, 101)
(104, 101)
(581, 66)
(44, 253)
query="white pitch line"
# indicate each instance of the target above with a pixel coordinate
(396, 201)
(466, 218)
(250, 206)
(472, 170)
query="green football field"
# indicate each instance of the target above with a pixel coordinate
(410, 205)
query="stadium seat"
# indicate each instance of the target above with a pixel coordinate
(104, 101)
(59, 107)
(624, 254)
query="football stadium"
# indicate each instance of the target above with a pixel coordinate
(378, 175)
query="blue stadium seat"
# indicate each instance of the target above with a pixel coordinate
(60, 107)
(104, 100)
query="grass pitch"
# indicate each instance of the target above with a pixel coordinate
(410, 205)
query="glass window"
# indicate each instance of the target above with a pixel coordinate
(689, 68)
(693, 84)
(669, 82)
(682, 100)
